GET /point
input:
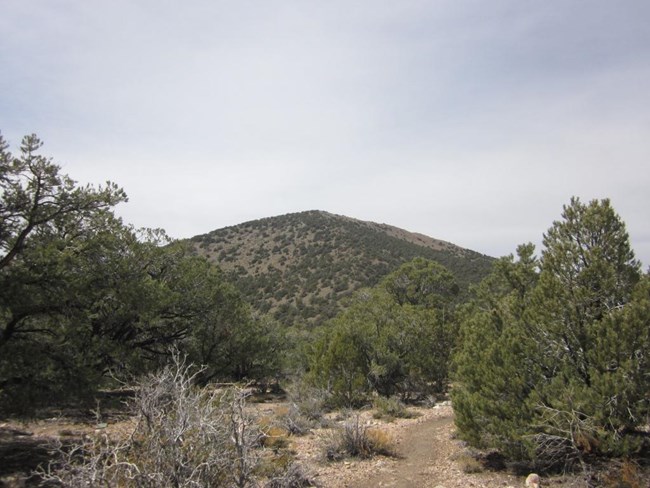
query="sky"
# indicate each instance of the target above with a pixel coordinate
(465, 120)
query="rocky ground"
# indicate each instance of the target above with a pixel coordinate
(428, 454)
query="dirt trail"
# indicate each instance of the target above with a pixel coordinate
(424, 461)
(429, 459)
(430, 456)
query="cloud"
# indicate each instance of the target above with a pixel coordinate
(469, 121)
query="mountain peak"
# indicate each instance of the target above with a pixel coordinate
(300, 265)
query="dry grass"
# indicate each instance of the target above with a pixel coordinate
(469, 464)
(356, 439)
(627, 475)
(275, 437)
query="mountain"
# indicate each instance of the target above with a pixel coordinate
(299, 267)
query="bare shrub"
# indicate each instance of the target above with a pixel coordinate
(294, 476)
(311, 403)
(295, 422)
(358, 440)
(564, 439)
(185, 436)
(95, 461)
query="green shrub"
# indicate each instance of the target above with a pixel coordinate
(390, 408)
(551, 366)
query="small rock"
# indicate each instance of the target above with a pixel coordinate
(533, 481)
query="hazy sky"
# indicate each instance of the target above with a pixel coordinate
(469, 121)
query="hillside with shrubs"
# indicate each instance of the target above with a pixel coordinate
(153, 362)
(300, 267)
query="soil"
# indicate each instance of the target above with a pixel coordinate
(426, 457)
(427, 453)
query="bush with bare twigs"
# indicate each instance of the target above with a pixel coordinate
(185, 437)
(357, 439)
(294, 476)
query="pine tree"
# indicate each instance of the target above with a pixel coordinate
(587, 282)
(395, 339)
(495, 364)
(553, 362)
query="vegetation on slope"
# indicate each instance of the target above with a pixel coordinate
(551, 353)
(299, 267)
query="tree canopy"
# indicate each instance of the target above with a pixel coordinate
(84, 296)
(394, 339)
(553, 363)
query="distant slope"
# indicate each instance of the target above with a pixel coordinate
(300, 266)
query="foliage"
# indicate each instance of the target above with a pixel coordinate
(234, 344)
(390, 408)
(39, 202)
(309, 402)
(84, 297)
(379, 345)
(553, 365)
(495, 364)
(421, 282)
(301, 267)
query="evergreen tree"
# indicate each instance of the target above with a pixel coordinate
(495, 365)
(395, 339)
(588, 279)
(423, 283)
(553, 366)
(83, 295)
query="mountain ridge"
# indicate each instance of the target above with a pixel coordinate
(301, 266)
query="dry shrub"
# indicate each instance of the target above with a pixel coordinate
(294, 476)
(296, 422)
(380, 443)
(306, 409)
(310, 402)
(275, 437)
(627, 475)
(469, 464)
(185, 437)
(357, 440)
(274, 464)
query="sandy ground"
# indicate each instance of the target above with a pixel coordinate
(428, 454)
(427, 457)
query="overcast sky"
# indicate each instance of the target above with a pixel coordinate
(469, 121)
